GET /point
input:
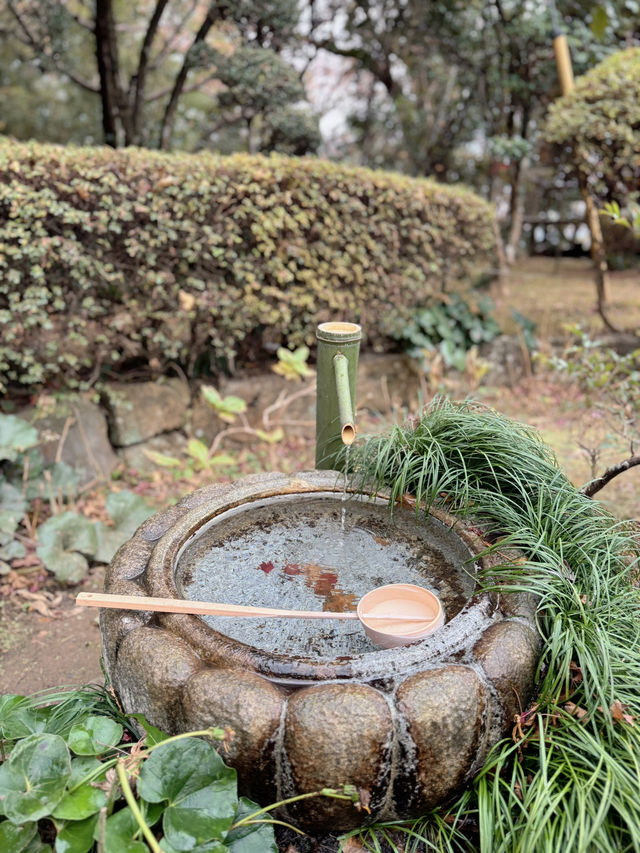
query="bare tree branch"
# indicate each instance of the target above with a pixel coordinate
(139, 79)
(39, 47)
(169, 42)
(595, 485)
(216, 11)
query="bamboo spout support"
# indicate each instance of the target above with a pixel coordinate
(337, 365)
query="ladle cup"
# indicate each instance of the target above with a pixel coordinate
(391, 615)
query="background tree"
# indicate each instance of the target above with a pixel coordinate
(143, 59)
(458, 89)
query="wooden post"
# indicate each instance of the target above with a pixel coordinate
(598, 253)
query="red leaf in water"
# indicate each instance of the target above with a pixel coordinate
(292, 569)
(266, 567)
(325, 583)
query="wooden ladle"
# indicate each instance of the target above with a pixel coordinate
(391, 615)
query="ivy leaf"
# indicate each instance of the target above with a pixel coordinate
(128, 510)
(64, 539)
(12, 501)
(16, 436)
(34, 777)
(226, 407)
(94, 735)
(272, 437)
(19, 718)
(85, 801)
(251, 838)
(199, 451)
(200, 789)
(153, 735)
(119, 834)
(293, 365)
(162, 459)
(76, 836)
(16, 838)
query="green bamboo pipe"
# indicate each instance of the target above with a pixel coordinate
(337, 365)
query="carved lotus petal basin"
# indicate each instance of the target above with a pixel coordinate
(315, 704)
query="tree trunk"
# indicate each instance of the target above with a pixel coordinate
(598, 252)
(140, 79)
(517, 209)
(105, 53)
(213, 13)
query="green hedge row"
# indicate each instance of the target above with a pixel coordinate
(114, 258)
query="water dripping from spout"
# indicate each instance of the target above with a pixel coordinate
(343, 514)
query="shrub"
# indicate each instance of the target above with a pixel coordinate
(113, 258)
(600, 121)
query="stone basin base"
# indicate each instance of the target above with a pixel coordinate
(410, 726)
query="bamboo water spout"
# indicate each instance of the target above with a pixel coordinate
(338, 350)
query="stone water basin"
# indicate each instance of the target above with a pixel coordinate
(315, 704)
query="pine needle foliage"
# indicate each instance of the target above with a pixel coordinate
(569, 780)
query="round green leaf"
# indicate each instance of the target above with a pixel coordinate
(200, 789)
(16, 838)
(119, 834)
(85, 801)
(76, 836)
(19, 718)
(16, 436)
(33, 779)
(251, 838)
(94, 735)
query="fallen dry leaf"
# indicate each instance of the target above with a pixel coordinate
(619, 713)
(575, 711)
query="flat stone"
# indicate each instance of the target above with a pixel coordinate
(138, 411)
(259, 391)
(508, 652)
(443, 710)
(337, 734)
(76, 433)
(168, 444)
(248, 705)
(151, 670)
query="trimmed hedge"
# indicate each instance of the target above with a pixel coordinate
(116, 258)
(599, 123)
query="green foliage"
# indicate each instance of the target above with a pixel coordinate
(65, 541)
(97, 246)
(293, 365)
(450, 325)
(69, 757)
(570, 780)
(184, 788)
(225, 407)
(599, 124)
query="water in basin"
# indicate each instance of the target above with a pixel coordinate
(297, 554)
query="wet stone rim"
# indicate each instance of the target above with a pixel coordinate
(410, 725)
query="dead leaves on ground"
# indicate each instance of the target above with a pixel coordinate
(25, 590)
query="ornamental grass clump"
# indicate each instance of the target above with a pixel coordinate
(569, 778)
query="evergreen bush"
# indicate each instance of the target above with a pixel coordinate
(599, 124)
(110, 259)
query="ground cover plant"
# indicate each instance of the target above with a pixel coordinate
(568, 778)
(75, 776)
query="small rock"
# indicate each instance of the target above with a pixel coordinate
(141, 410)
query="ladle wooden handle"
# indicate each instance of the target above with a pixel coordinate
(206, 608)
